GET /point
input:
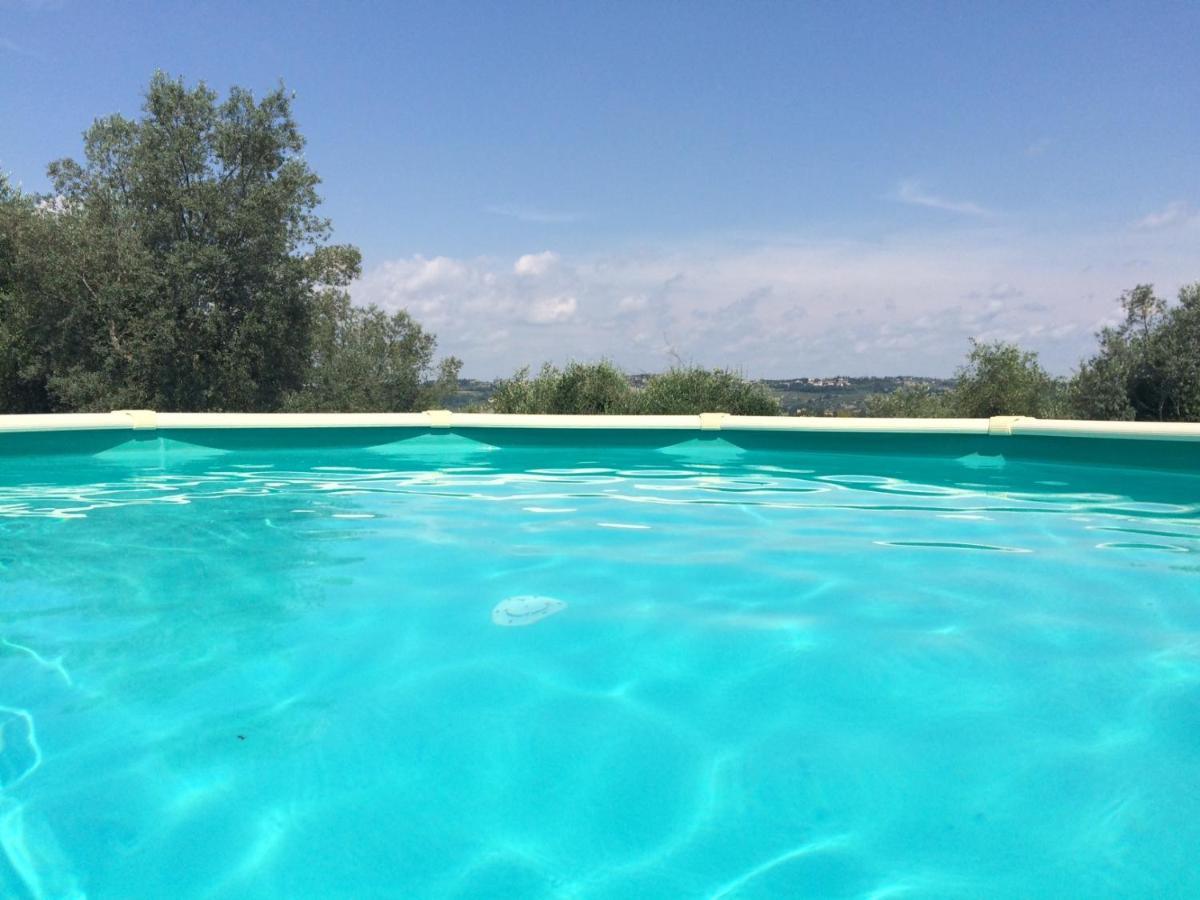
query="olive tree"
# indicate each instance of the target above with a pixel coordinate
(1148, 367)
(182, 264)
(1001, 379)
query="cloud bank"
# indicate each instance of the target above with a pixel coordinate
(786, 307)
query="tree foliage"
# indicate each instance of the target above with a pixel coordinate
(1148, 367)
(599, 388)
(997, 379)
(365, 360)
(579, 389)
(918, 401)
(690, 390)
(1001, 379)
(182, 265)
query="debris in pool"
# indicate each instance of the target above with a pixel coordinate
(515, 611)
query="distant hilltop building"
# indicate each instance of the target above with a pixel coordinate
(836, 381)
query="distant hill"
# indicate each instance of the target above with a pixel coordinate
(842, 395)
(837, 395)
(471, 393)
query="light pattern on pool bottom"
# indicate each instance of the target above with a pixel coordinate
(273, 676)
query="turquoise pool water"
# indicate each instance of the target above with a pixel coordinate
(280, 673)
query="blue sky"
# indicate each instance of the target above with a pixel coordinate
(786, 188)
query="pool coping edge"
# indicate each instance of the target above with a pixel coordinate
(441, 419)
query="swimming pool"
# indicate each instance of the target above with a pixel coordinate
(693, 660)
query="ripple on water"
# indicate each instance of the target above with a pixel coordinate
(1144, 545)
(20, 754)
(36, 865)
(953, 545)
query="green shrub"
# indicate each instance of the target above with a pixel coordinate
(693, 390)
(579, 389)
(910, 402)
(601, 388)
(365, 360)
(1001, 379)
(997, 379)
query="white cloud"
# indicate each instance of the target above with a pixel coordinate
(441, 270)
(535, 264)
(1039, 147)
(1174, 213)
(787, 306)
(549, 310)
(911, 192)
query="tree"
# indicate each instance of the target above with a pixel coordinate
(364, 360)
(182, 265)
(18, 392)
(1001, 379)
(1148, 367)
(1099, 389)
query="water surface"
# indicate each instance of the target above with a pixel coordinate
(277, 675)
